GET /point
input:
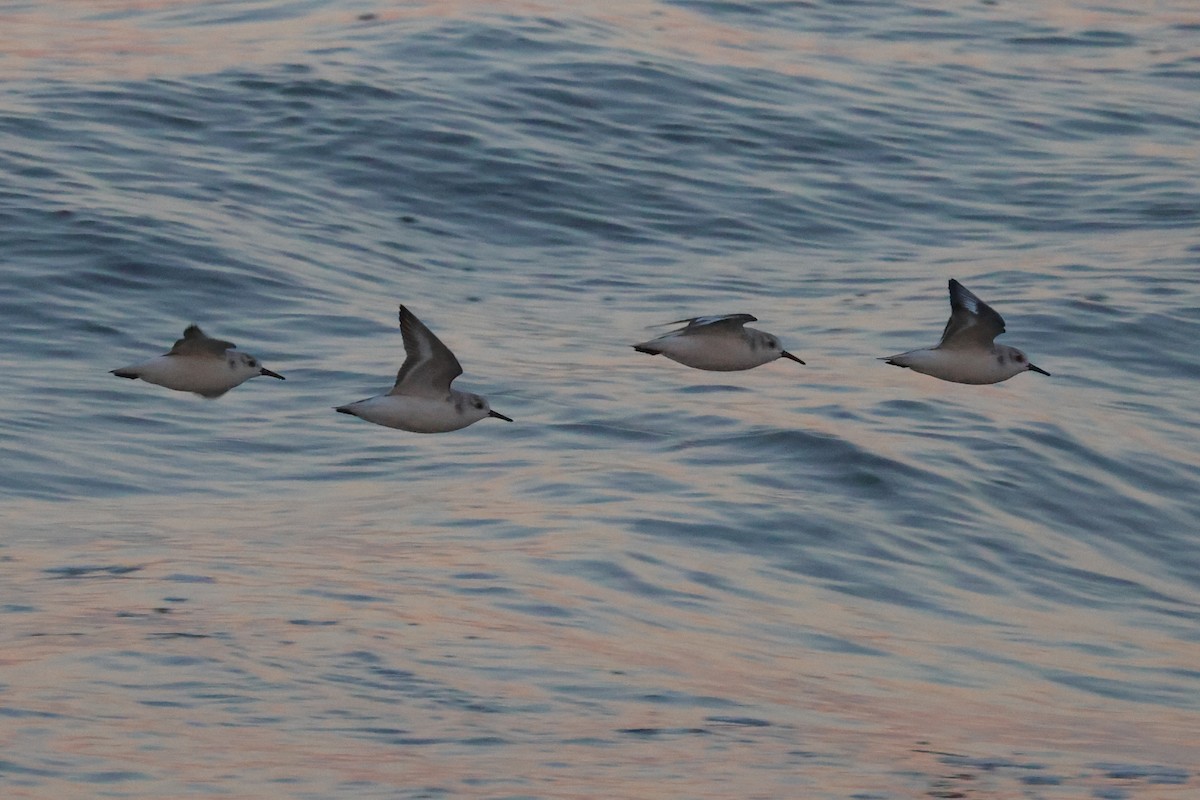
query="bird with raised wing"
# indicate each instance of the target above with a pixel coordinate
(967, 352)
(422, 400)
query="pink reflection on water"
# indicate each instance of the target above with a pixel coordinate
(279, 643)
(77, 40)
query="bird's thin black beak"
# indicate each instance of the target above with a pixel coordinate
(498, 415)
(270, 374)
(786, 354)
(1032, 368)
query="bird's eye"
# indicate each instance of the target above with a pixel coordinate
(1020, 358)
(252, 363)
(479, 404)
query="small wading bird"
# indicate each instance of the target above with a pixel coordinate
(718, 343)
(196, 363)
(422, 400)
(967, 352)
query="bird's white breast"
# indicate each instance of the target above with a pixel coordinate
(416, 414)
(723, 351)
(206, 376)
(959, 366)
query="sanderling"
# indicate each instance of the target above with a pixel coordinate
(966, 353)
(718, 343)
(196, 363)
(422, 400)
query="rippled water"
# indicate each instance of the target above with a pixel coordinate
(831, 581)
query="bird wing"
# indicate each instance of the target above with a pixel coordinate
(429, 366)
(194, 342)
(730, 320)
(972, 322)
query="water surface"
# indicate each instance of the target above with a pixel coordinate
(838, 580)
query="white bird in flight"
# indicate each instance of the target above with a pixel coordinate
(717, 343)
(967, 352)
(422, 400)
(196, 363)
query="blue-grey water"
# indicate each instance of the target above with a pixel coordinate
(842, 580)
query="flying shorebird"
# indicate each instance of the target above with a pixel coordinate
(422, 400)
(967, 352)
(718, 343)
(197, 363)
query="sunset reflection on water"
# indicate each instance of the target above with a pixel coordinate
(181, 636)
(103, 41)
(825, 581)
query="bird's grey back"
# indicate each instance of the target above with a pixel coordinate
(196, 343)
